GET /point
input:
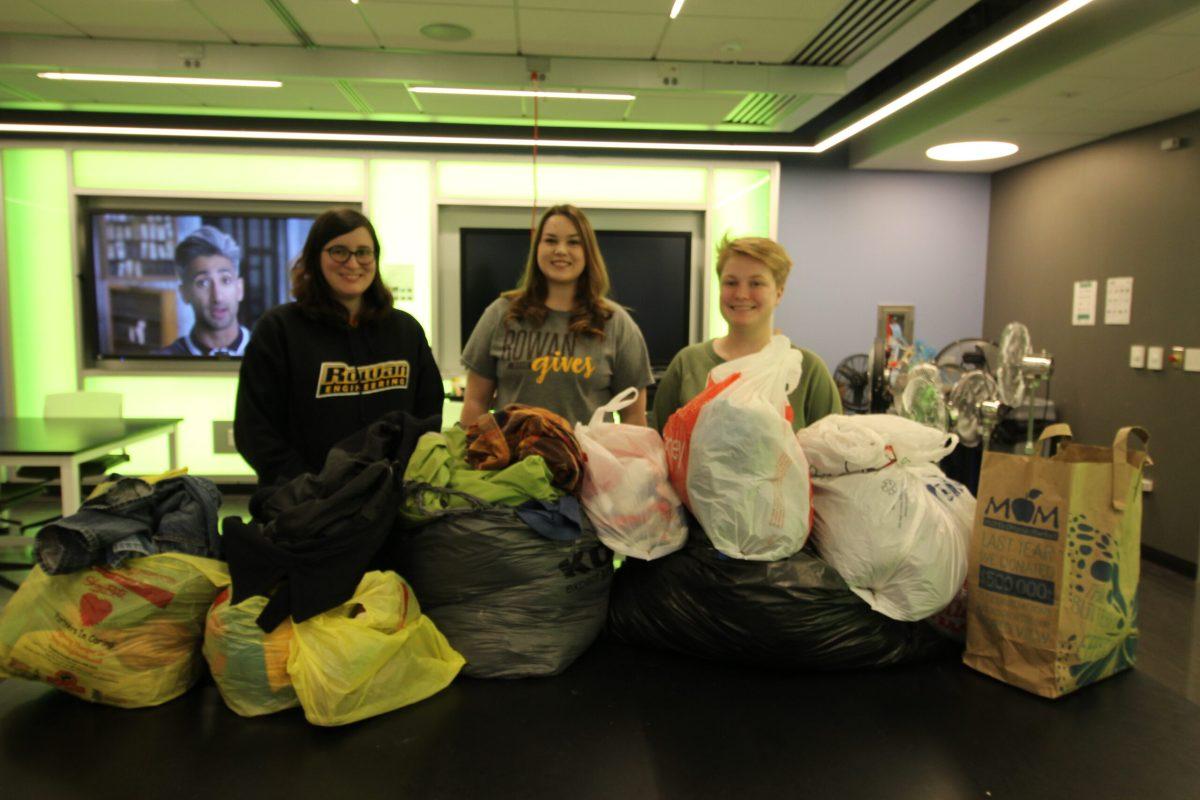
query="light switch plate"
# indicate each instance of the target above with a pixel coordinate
(1191, 359)
(1154, 358)
(223, 437)
(1137, 356)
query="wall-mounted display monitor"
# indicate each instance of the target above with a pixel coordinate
(650, 272)
(173, 283)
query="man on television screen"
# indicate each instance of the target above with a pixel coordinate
(207, 262)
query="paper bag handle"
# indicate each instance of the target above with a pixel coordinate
(1059, 430)
(1120, 462)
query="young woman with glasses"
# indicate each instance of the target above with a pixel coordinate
(332, 362)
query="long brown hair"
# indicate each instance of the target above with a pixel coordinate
(309, 286)
(592, 309)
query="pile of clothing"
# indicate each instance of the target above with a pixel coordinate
(497, 547)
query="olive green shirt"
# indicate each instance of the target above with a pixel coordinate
(816, 396)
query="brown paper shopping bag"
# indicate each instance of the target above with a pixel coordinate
(1054, 564)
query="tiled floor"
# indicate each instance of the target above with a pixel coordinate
(1168, 652)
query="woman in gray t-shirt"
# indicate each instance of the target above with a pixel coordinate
(556, 341)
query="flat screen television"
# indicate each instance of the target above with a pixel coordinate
(650, 273)
(143, 304)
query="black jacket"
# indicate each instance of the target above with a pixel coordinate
(314, 537)
(308, 382)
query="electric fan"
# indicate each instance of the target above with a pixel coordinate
(853, 377)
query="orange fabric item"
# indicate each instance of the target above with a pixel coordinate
(518, 431)
(677, 434)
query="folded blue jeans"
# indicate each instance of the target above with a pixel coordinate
(134, 518)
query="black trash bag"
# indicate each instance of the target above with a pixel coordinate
(792, 613)
(515, 603)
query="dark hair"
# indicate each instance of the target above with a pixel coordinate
(309, 286)
(591, 309)
(205, 241)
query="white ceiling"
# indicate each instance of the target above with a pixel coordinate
(339, 60)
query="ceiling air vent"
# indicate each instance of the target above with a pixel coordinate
(760, 108)
(858, 23)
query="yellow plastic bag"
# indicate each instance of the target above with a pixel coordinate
(248, 666)
(126, 637)
(375, 653)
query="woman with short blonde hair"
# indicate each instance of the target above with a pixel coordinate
(751, 272)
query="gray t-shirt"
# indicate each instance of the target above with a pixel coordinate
(551, 367)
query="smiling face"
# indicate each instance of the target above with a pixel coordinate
(560, 252)
(749, 293)
(349, 279)
(212, 287)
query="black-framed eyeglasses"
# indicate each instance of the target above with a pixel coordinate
(341, 254)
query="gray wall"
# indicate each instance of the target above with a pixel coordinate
(859, 239)
(1114, 208)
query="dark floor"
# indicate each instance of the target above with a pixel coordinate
(632, 723)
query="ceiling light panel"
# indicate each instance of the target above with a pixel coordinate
(696, 38)
(493, 28)
(160, 80)
(136, 19)
(548, 94)
(590, 33)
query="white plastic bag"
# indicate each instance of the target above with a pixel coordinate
(842, 443)
(747, 478)
(887, 518)
(626, 490)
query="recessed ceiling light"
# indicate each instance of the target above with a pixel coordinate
(675, 9)
(445, 32)
(520, 93)
(971, 151)
(87, 76)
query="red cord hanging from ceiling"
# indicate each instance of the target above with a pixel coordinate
(533, 76)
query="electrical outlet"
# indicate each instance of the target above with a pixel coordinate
(1191, 359)
(1137, 356)
(1147, 484)
(223, 437)
(1154, 358)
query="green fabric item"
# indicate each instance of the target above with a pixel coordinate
(440, 460)
(816, 396)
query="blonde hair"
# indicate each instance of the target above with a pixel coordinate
(768, 251)
(592, 309)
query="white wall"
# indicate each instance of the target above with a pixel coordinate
(863, 238)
